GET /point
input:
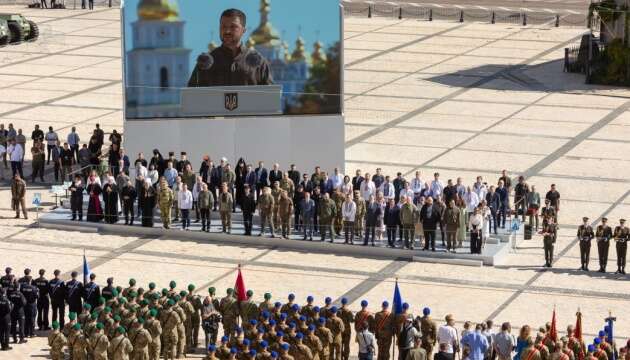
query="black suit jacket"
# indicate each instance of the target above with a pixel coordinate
(430, 219)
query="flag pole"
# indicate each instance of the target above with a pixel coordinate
(395, 329)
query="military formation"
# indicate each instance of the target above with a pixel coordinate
(604, 235)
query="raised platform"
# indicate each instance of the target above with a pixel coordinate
(495, 249)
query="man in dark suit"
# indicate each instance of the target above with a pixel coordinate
(275, 174)
(216, 176)
(294, 175)
(306, 183)
(430, 217)
(392, 221)
(357, 180)
(262, 178)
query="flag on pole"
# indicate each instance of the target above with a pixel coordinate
(397, 302)
(577, 332)
(239, 287)
(553, 332)
(86, 269)
(609, 336)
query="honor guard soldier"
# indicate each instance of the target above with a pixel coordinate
(57, 298)
(108, 291)
(92, 292)
(622, 234)
(585, 234)
(74, 293)
(363, 318)
(603, 235)
(26, 278)
(7, 279)
(43, 302)
(31, 294)
(6, 307)
(549, 239)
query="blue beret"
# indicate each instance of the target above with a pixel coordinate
(283, 316)
(274, 355)
(265, 315)
(291, 296)
(385, 304)
(405, 306)
(264, 344)
(299, 336)
(597, 341)
(591, 348)
(225, 339)
(364, 303)
(279, 334)
(426, 311)
(344, 301)
(328, 300)
(316, 308)
(239, 330)
(322, 320)
(277, 304)
(333, 309)
(309, 298)
(295, 307)
(233, 350)
(292, 325)
(602, 333)
(252, 352)
(211, 347)
(302, 318)
(272, 322)
(246, 342)
(311, 327)
(253, 322)
(285, 346)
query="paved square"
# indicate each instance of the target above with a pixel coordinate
(459, 98)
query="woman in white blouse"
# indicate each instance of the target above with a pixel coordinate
(475, 225)
(346, 187)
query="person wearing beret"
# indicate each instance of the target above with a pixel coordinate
(57, 341)
(120, 347)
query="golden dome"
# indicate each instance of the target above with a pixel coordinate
(157, 10)
(265, 34)
(299, 54)
(318, 54)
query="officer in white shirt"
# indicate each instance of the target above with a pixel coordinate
(367, 187)
(185, 202)
(348, 213)
(16, 153)
(436, 187)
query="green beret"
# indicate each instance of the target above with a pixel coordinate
(132, 282)
(153, 313)
(122, 301)
(183, 293)
(212, 290)
(94, 316)
(77, 326)
(151, 285)
(119, 289)
(132, 310)
(72, 316)
(133, 294)
(100, 326)
(267, 296)
(144, 302)
(250, 293)
(121, 330)
(87, 306)
(191, 287)
(55, 325)
(115, 293)
(141, 320)
(156, 296)
(107, 310)
(116, 317)
(230, 291)
(164, 291)
(172, 284)
(171, 302)
(177, 297)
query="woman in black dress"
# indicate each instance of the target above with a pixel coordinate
(147, 194)
(110, 202)
(241, 173)
(95, 210)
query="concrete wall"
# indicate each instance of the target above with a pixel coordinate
(307, 141)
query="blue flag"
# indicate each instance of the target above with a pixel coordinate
(609, 336)
(86, 270)
(397, 303)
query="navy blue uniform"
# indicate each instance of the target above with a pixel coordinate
(17, 314)
(74, 296)
(91, 294)
(6, 306)
(31, 294)
(58, 300)
(43, 302)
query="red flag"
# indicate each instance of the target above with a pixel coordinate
(239, 287)
(553, 332)
(577, 334)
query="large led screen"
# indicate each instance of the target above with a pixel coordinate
(204, 58)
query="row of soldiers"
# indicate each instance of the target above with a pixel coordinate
(604, 235)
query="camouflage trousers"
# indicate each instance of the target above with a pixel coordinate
(56, 354)
(427, 345)
(384, 347)
(196, 322)
(335, 351)
(181, 340)
(140, 354)
(170, 345)
(345, 345)
(188, 328)
(325, 353)
(154, 350)
(226, 220)
(266, 219)
(358, 228)
(165, 214)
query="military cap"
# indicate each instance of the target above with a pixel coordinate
(299, 336)
(302, 318)
(267, 296)
(585, 219)
(72, 315)
(249, 293)
(183, 293)
(172, 284)
(233, 350)
(405, 306)
(156, 296)
(602, 333)
(94, 316)
(316, 309)
(333, 309)
(311, 327)
(42, 271)
(246, 342)
(291, 297)
(272, 322)
(344, 301)
(121, 330)
(115, 292)
(252, 352)
(591, 348)
(285, 346)
(597, 341)
(277, 304)
(177, 297)
(164, 291)
(171, 153)
(264, 344)
(211, 290)
(122, 301)
(55, 325)
(171, 302)
(133, 294)
(238, 329)
(279, 333)
(191, 287)
(117, 318)
(144, 302)
(292, 325)
(261, 329)
(212, 348)
(107, 310)
(322, 320)
(152, 313)
(225, 339)
(141, 320)
(309, 299)
(265, 314)
(274, 355)
(151, 285)
(87, 306)
(426, 311)
(327, 300)
(101, 300)
(295, 307)
(100, 326)
(229, 291)
(283, 316)
(76, 326)
(253, 322)
(74, 274)
(364, 303)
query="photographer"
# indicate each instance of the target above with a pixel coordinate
(366, 342)
(210, 318)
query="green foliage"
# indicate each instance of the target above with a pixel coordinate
(612, 66)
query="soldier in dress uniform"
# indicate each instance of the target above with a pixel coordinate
(325, 336)
(383, 325)
(585, 234)
(621, 235)
(428, 329)
(108, 291)
(364, 318)
(92, 292)
(359, 216)
(43, 302)
(57, 341)
(603, 235)
(549, 239)
(74, 293)
(232, 63)
(266, 206)
(58, 298)
(285, 211)
(165, 200)
(348, 318)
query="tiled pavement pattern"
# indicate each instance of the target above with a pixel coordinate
(461, 99)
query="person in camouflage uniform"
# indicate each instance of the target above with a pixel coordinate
(189, 311)
(140, 340)
(338, 198)
(285, 211)
(383, 331)
(181, 327)
(299, 351)
(155, 329)
(171, 321)
(336, 326)
(348, 318)
(120, 347)
(165, 201)
(287, 185)
(266, 207)
(99, 343)
(56, 341)
(327, 213)
(248, 308)
(228, 307)
(428, 329)
(197, 303)
(275, 193)
(359, 216)
(313, 342)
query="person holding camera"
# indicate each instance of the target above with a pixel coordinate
(210, 317)
(366, 342)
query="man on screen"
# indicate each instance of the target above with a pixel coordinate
(232, 63)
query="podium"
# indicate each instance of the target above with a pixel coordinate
(232, 100)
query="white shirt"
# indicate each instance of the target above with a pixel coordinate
(348, 210)
(154, 176)
(417, 185)
(15, 152)
(196, 190)
(365, 339)
(346, 189)
(481, 190)
(367, 188)
(447, 335)
(51, 138)
(2, 149)
(476, 220)
(388, 190)
(472, 200)
(184, 199)
(436, 188)
(337, 181)
(141, 171)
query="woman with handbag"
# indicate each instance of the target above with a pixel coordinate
(533, 204)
